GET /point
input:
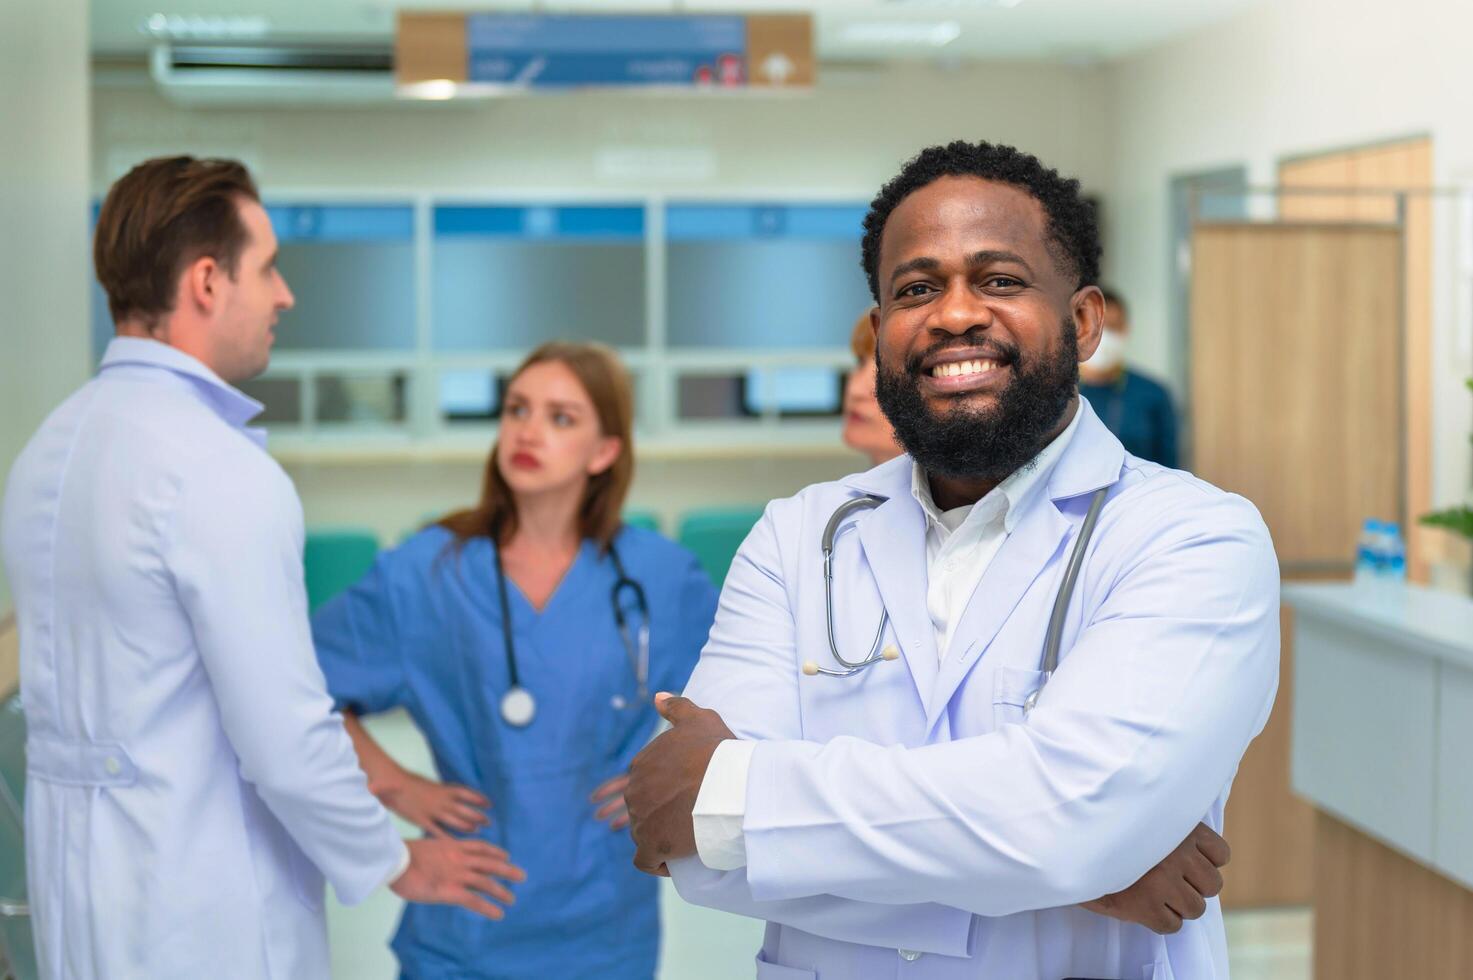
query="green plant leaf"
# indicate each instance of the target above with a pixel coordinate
(1459, 520)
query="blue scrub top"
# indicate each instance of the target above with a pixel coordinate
(1139, 412)
(422, 631)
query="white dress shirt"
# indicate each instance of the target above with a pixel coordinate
(188, 785)
(960, 544)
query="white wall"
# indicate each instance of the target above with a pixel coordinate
(44, 175)
(1292, 77)
(852, 133)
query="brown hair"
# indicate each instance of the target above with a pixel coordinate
(607, 384)
(162, 215)
(862, 340)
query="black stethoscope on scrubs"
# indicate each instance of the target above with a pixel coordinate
(518, 707)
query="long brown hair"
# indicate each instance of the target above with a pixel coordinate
(597, 368)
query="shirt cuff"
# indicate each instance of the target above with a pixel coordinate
(720, 806)
(399, 868)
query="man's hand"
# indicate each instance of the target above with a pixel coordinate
(665, 779)
(436, 808)
(615, 810)
(458, 872)
(1175, 889)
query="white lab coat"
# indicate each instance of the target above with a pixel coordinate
(186, 778)
(910, 821)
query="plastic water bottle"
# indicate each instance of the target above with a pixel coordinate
(1368, 553)
(1393, 554)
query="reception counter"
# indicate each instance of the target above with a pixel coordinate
(1382, 747)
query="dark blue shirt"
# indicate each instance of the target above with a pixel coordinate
(1139, 412)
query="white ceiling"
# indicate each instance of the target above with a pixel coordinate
(1076, 31)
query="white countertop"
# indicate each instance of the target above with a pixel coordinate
(1431, 622)
(1383, 715)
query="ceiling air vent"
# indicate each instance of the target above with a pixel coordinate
(242, 74)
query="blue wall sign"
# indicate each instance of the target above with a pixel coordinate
(575, 50)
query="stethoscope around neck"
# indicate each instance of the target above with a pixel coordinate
(518, 706)
(1053, 636)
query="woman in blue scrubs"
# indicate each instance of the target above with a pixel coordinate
(497, 630)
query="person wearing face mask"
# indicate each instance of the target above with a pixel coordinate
(1134, 407)
(866, 430)
(525, 637)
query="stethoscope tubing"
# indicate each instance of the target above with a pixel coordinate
(1053, 635)
(830, 532)
(636, 648)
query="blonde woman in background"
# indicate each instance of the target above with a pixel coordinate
(866, 430)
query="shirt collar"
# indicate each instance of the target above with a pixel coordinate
(1004, 499)
(231, 404)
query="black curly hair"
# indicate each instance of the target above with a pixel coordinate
(1074, 237)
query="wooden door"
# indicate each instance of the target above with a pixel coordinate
(1295, 383)
(1296, 358)
(1387, 178)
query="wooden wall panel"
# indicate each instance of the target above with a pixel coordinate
(1379, 914)
(787, 36)
(1336, 171)
(1293, 374)
(1403, 165)
(430, 46)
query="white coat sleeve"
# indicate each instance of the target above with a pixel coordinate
(235, 554)
(1138, 733)
(748, 675)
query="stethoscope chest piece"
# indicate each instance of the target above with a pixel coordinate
(518, 707)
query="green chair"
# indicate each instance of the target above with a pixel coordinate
(17, 951)
(646, 519)
(12, 749)
(335, 559)
(714, 534)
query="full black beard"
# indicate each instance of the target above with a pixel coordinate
(987, 444)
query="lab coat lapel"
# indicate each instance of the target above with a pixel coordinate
(1093, 459)
(1023, 556)
(894, 539)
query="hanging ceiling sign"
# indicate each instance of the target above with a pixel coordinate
(450, 55)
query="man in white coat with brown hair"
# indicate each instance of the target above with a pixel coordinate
(188, 785)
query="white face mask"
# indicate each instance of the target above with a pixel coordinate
(1110, 354)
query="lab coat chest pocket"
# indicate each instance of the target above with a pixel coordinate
(1011, 687)
(767, 970)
